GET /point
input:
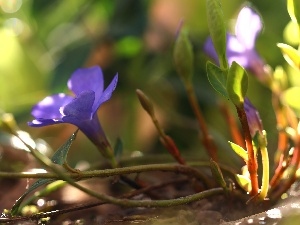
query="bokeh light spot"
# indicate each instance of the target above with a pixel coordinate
(14, 26)
(10, 6)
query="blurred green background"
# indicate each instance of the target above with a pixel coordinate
(42, 42)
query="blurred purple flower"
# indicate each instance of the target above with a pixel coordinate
(81, 110)
(241, 46)
(253, 118)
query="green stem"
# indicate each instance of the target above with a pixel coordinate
(87, 205)
(176, 168)
(121, 171)
(111, 157)
(149, 203)
(123, 202)
(132, 203)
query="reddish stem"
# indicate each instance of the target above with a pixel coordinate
(282, 165)
(292, 175)
(207, 140)
(281, 124)
(233, 127)
(279, 159)
(252, 161)
(172, 148)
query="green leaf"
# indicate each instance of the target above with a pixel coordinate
(217, 174)
(244, 182)
(291, 33)
(38, 183)
(239, 150)
(291, 55)
(237, 84)
(293, 7)
(290, 97)
(59, 157)
(217, 30)
(217, 78)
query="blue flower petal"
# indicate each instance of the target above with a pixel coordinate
(87, 79)
(44, 122)
(91, 128)
(80, 111)
(106, 95)
(241, 47)
(80, 108)
(209, 49)
(253, 118)
(234, 46)
(49, 107)
(247, 27)
(234, 50)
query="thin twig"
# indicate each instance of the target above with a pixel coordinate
(207, 140)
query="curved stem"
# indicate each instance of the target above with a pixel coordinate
(188, 170)
(232, 126)
(128, 203)
(291, 171)
(86, 205)
(125, 202)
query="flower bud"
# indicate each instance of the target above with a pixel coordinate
(8, 123)
(253, 118)
(183, 56)
(145, 102)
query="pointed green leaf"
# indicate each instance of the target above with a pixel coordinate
(217, 174)
(290, 97)
(291, 55)
(293, 7)
(237, 84)
(217, 29)
(244, 182)
(239, 150)
(38, 183)
(217, 78)
(59, 157)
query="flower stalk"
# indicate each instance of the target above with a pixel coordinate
(166, 140)
(252, 161)
(184, 61)
(207, 139)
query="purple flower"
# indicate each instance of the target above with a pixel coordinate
(81, 110)
(253, 118)
(241, 47)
